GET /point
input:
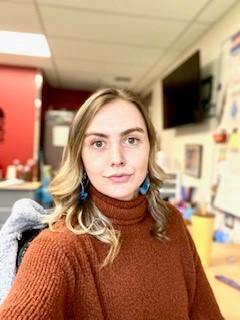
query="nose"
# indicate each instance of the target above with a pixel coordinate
(117, 156)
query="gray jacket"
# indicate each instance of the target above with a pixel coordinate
(26, 214)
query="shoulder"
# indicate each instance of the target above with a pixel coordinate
(59, 237)
(60, 243)
(59, 252)
(59, 234)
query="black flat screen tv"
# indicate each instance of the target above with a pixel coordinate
(182, 94)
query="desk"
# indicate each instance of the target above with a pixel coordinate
(11, 193)
(226, 261)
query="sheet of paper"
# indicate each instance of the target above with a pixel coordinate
(227, 197)
(60, 136)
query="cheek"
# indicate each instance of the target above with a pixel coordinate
(140, 159)
(91, 163)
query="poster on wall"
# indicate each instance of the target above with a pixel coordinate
(229, 95)
(226, 178)
(57, 123)
(226, 197)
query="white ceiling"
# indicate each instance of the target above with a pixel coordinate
(94, 42)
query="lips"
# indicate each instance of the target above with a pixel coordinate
(118, 178)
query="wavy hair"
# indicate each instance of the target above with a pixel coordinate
(85, 218)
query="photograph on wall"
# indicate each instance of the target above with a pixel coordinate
(193, 159)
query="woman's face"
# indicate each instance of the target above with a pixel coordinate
(116, 149)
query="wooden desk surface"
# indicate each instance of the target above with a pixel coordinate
(23, 186)
(225, 261)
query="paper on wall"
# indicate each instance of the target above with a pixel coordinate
(60, 135)
(227, 197)
(229, 95)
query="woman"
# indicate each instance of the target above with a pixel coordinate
(113, 249)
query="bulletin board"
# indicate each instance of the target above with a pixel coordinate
(227, 157)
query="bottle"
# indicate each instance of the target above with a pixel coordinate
(26, 173)
(20, 171)
(35, 171)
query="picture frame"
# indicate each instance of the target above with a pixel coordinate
(193, 160)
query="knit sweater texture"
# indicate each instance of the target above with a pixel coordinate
(60, 278)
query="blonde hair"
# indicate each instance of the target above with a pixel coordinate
(85, 218)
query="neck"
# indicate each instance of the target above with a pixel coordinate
(119, 211)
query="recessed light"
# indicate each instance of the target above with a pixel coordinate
(21, 43)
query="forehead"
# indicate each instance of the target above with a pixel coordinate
(117, 114)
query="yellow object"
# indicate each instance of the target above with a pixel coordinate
(202, 233)
(234, 141)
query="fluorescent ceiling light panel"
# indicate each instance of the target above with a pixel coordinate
(20, 43)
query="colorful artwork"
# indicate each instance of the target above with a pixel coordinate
(193, 159)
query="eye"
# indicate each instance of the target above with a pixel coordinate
(132, 140)
(98, 144)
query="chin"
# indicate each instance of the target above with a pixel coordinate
(121, 193)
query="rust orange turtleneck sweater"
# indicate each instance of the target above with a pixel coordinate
(59, 277)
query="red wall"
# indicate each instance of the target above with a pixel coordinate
(17, 94)
(56, 98)
(63, 98)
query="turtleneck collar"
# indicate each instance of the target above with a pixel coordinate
(118, 211)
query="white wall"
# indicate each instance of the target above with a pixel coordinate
(174, 140)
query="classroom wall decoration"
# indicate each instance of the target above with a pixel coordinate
(229, 84)
(226, 169)
(193, 160)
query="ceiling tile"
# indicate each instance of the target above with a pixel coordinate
(191, 35)
(90, 81)
(215, 10)
(111, 53)
(19, 17)
(78, 66)
(160, 67)
(180, 10)
(19, 1)
(94, 41)
(110, 28)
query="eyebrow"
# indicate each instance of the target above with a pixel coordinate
(124, 133)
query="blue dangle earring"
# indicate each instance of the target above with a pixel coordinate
(83, 192)
(144, 188)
